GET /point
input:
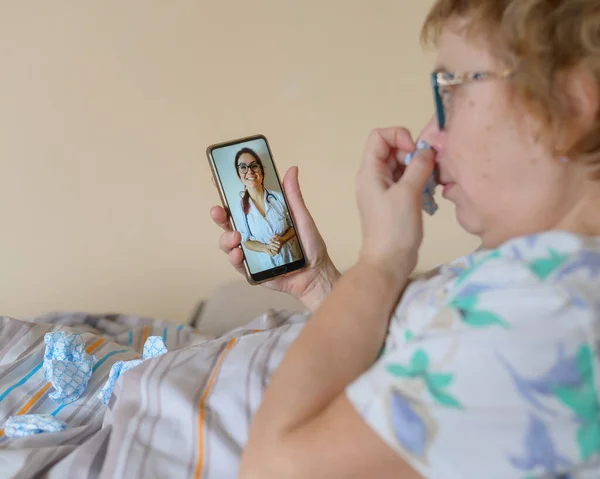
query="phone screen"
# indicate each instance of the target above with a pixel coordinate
(258, 207)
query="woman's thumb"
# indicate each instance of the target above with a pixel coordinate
(295, 199)
(419, 170)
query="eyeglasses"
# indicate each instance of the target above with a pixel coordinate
(243, 168)
(442, 91)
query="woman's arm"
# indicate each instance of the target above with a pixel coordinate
(306, 427)
(259, 247)
(279, 240)
(304, 408)
(288, 235)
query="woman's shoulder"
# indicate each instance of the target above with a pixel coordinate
(550, 257)
(549, 275)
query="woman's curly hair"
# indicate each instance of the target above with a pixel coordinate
(542, 40)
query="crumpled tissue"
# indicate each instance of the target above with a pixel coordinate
(153, 347)
(30, 424)
(429, 204)
(67, 366)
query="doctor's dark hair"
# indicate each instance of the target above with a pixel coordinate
(251, 152)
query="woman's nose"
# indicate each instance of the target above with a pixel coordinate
(432, 135)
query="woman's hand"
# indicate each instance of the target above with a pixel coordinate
(389, 200)
(310, 285)
(277, 242)
(271, 249)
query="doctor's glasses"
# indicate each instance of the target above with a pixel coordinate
(243, 168)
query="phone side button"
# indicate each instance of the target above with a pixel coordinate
(278, 271)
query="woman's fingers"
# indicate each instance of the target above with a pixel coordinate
(418, 172)
(220, 217)
(307, 229)
(384, 144)
(229, 240)
(236, 258)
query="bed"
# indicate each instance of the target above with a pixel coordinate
(185, 413)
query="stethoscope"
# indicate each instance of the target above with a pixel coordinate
(269, 194)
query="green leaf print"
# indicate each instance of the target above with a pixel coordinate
(481, 319)
(584, 361)
(439, 381)
(546, 266)
(419, 362)
(445, 399)
(398, 371)
(408, 335)
(466, 305)
(435, 382)
(582, 399)
(588, 439)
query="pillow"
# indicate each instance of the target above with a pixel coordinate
(236, 303)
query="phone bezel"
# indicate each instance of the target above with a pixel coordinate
(278, 271)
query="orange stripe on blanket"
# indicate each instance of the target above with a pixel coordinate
(202, 408)
(41, 392)
(34, 399)
(145, 335)
(94, 346)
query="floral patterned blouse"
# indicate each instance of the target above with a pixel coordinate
(491, 368)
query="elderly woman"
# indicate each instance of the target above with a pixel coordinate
(263, 218)
(490, 368)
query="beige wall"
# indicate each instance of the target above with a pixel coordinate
(106, 109)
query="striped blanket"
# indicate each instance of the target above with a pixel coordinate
(184, 414)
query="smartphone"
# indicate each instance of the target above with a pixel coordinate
(251, 193)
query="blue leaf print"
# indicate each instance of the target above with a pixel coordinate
(570, 381)
(517, 253)
(584, 260)
(582, 400)
(456, 270)
(540, 451)
(408, 426)
(577, 301)
(473, 289)
(563, 373)
(532, 240)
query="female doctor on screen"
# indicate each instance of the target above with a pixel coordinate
(264, 223)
